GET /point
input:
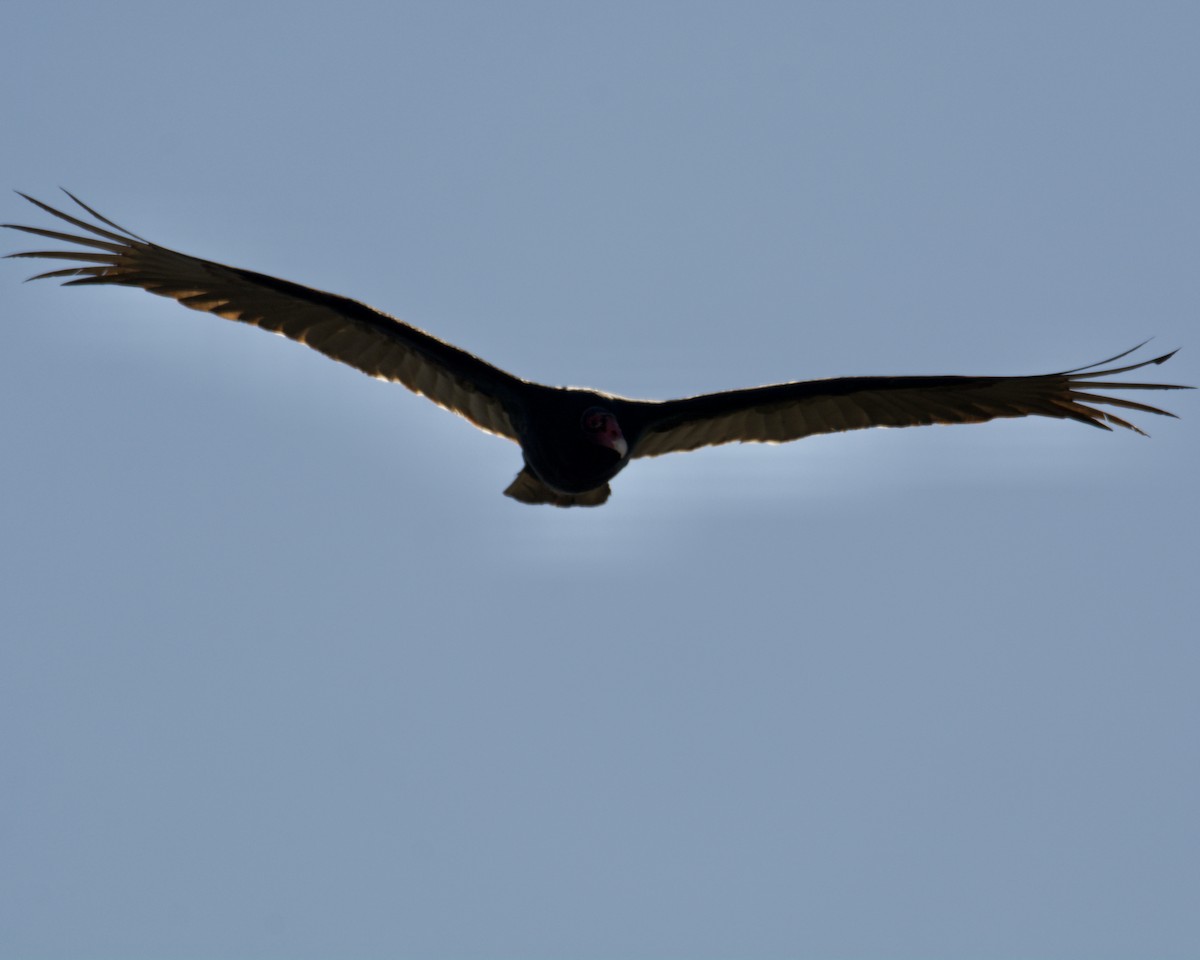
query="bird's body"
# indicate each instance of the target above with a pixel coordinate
(574, 441)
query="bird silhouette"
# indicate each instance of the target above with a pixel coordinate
(573, 440)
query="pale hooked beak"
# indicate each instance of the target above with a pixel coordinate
(613, 438)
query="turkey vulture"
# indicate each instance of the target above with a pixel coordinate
(573, 440)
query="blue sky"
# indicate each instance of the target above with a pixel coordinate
(283, 674)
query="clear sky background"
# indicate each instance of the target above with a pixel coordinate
(282, 674)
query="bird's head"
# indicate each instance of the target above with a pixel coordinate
(601, 427)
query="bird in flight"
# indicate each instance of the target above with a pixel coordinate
(574, 441)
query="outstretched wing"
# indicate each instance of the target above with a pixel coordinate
(338, 327)
(789, 411)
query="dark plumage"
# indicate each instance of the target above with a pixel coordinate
(574, 441)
